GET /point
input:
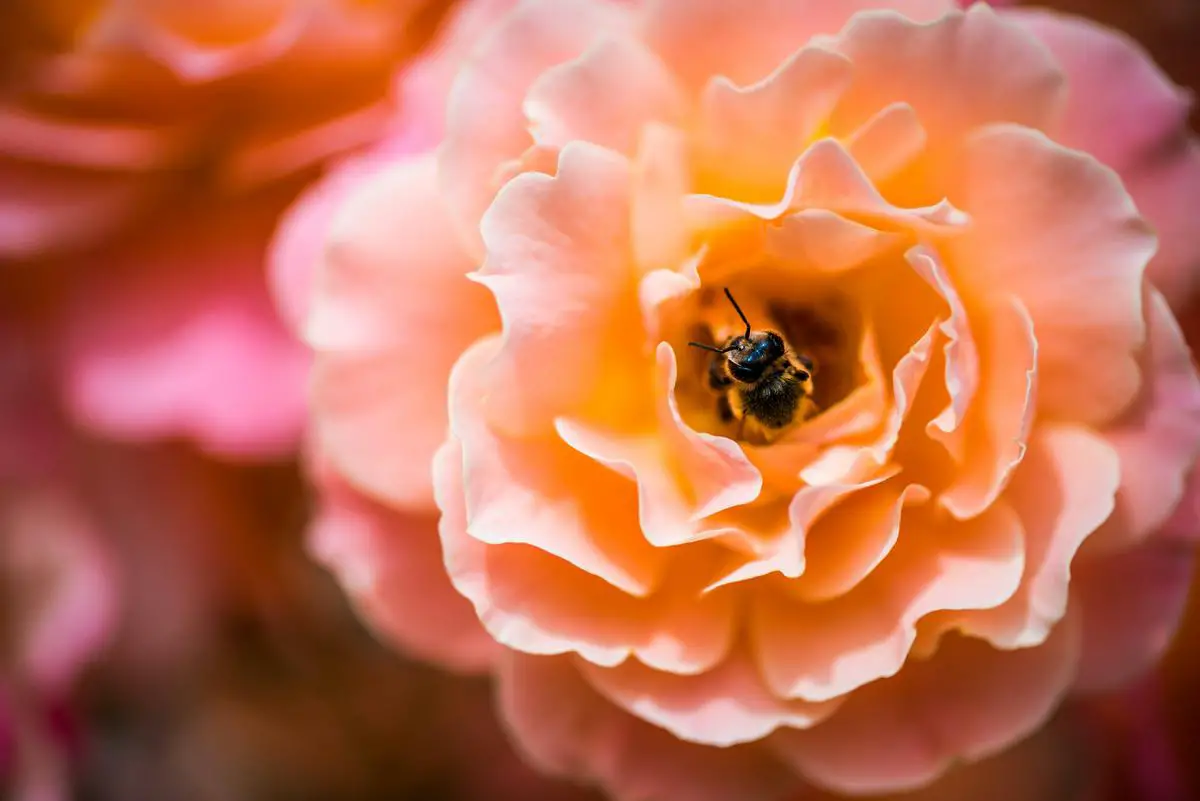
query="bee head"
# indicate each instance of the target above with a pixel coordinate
(752, 354)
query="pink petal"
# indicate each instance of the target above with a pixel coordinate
(565, 728)
(825, 177)
(852, 539)
(963, 70)
(392, 567)
(535, 602)
(180, 338)
(1127, 113)
(821, 241)
(485, 124)
(1158, 440)
(1132, 604)
(299, 241)
(962, 358)
(724, 706)
(605, 96)
(662, 175)
(392, 309)
(558, 264)
(785, 552)
(682, 476)
(888, 141)
(820, 652)
(1069, 211)
(968, 702)
(542, 493)
(751, 135)
(1063, 491)
(700, 39)
(62, 601)
(999, 421)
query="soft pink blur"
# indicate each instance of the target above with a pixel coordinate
(146, 151)
(1092, 393)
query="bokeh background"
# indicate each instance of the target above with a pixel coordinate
(165, 633)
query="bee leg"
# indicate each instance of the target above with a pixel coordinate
(741, 428)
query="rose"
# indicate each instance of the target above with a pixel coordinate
(146, 151)
(918, 574)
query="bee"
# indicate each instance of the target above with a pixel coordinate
(760, 382)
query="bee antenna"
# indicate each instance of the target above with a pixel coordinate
(709, 347)
(738, 308)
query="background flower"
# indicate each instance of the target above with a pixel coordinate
(146, 150)
(522, 505)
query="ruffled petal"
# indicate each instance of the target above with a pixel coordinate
(1158, 440)
(1127, 113)
(390, 315)
(1132, 605)
(745, 42)
(558, 264)
(485, 120)
(392, 567)
(750, 136)
(605, 96)
(961, 71)
(542, 493)
(565, 728)
(822, 651)
(683, 476)
(997, 425)
(968, 702)
(724, 706)
(1078, 270)
(1063, 491)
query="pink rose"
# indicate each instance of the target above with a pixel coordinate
(147, 149)
(675, 604)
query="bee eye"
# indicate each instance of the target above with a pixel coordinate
(803, 375)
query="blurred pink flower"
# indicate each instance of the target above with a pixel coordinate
(917, 575)
(146, 151)
(56, 572)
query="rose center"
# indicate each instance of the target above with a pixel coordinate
(800, 359)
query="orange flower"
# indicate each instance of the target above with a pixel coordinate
(680, 597)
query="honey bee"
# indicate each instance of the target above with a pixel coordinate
(760, 382)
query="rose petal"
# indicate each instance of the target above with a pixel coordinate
(962, 358)
(393, 312)
(1158, 441)
(542, 493)
(998, 423)
(485, 123)
(532, 601)
(1064, 490)
(1132, 604)
(820, 652)
(702, 38)
(564, 727)
(1069, 211)
(1127, 113)
(750, 136)
(963, 70)
(558, 265)
(683, 476)
(724, 706)
(852, 539)
(605, 96)
(661, 178)
(392, 567)
(968, 702)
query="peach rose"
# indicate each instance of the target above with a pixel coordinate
(912, 195)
